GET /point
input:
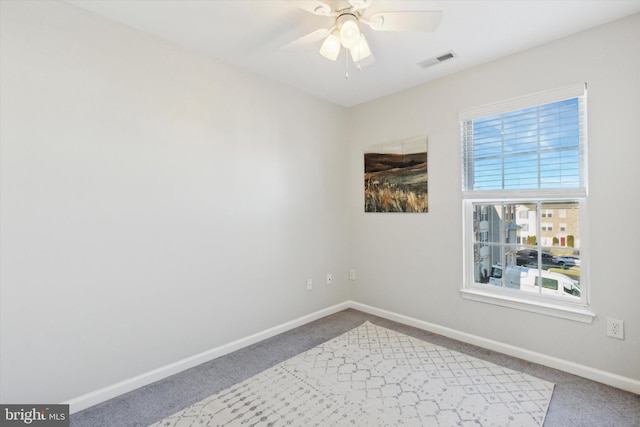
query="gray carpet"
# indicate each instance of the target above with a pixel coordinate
(575, 402)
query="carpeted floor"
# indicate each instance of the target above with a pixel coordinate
(575, 402)
(376, 376)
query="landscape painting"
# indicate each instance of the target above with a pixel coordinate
(395, 177)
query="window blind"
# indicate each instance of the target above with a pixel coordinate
(534, 142)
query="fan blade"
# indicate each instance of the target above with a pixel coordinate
(360, 4)
(418, 21)
(312, 6)
(307, 40)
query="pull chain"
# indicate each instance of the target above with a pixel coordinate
(346, 64)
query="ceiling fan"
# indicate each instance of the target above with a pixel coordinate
(345, 31)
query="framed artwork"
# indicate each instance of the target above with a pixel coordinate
(395, 177)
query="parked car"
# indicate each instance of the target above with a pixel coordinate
(528, 257)
(528, 279)
(567, 260)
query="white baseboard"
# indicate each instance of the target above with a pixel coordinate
(102, 395)
(85, 401)
(614, 380)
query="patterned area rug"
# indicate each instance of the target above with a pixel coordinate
(373, 376)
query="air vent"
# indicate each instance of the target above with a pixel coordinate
(436, 60)
(446, 56)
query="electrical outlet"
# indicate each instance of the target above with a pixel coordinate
(309, 284)
(329, 278)
(352, 274)
(615, 328)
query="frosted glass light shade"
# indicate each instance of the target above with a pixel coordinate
(349, 34)
(361, 50)
(330, 47)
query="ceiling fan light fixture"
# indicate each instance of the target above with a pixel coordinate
(330, 48)
(349, 31)
(361, 50)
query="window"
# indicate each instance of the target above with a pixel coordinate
(524, 166)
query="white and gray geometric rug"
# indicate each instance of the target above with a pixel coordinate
(373, 376)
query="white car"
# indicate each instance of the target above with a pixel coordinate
(528, 279)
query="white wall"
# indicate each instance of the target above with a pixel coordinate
(154, 204)
(411, 264)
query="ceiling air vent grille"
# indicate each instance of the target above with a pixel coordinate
(437, 59)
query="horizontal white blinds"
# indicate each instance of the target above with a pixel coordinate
(540, 98)
(534, 146)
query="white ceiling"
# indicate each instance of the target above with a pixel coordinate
(249, 34)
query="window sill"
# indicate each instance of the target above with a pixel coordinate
(578, 314)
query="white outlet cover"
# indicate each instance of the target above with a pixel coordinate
(615, 328)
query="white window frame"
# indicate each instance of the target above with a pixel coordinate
(537, 303)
